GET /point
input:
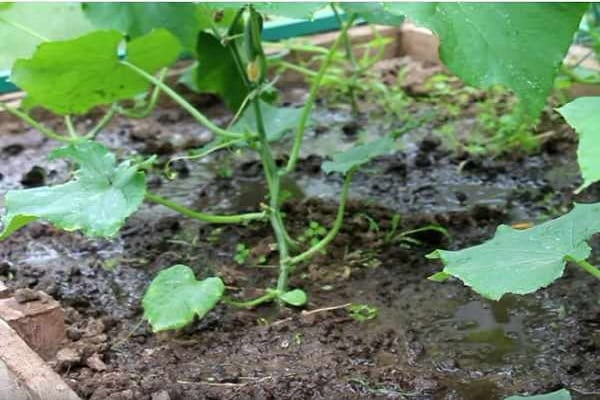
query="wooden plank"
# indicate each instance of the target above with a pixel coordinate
(28, 371)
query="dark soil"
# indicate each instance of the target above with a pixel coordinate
(429, 340)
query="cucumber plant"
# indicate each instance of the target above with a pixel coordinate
(515, 45)
(106, 68)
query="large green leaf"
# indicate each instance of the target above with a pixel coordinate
(137, 19)
(523, 261)
(358, 155)
(375, 13)
(45, 19)
(583, 114)
(71, 77)
(518, 45)
(217, 72)
(175, 297)
(278, 120)
(97, 201)
(562, 394)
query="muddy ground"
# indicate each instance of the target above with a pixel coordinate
(428, 341)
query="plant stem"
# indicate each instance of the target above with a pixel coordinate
(334, 229)
(183, 103)
(586, 266)
(143, 113)
(213, 219)
(350, 57)
(267, 297)
(312, 96)
(102, 123)
(35, 124)
(70, 127)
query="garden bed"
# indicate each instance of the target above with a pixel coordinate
(428, 341)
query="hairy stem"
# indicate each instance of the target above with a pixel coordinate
(312, 96)
(70, 127)
(213, 219)
(267, 297)
(183, 103)
(144, 112)
(112, 111)
(339, 219)
(35, 124)
(586, 266)
(350, 57)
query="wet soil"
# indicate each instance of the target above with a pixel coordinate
(428, 340)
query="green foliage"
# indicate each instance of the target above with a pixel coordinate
(137, 19)
(64, 78)
(517, 45)
(99, 199)
(314, 233)
(23, 26)
(362, 312)
(536, 255)
(295, 297)
(175, 297)
(241, 253)
(375, 13)
(217, 72)
(582, 114)
(358, 155)
(562, 394)
(277, 120)
(289, 10)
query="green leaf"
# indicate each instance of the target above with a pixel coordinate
(99, 199)
(175, 297)
(289, 10)
(278, 120)
(358, 155)
(523, 261)
(137, 19)
(375, 13)
(217, 72)
(73, 76)
(295, 297)
(45, 19)
(562, 394)
(439, 277)
(518, 45)
(583, 114)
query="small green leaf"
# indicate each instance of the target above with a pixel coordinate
(72, 76)
(523, 261)
(6, 5)
(374, 13)
(584, 116)
(358, 155)
(216, 72)
(439, 277)
(99, 199)
(175, 297)
(518, 45)
(278, 120)
(295, 297)
(137, 19)
(562, 394)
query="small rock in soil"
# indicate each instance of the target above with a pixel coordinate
(13, 149)
(351, 128)
(6, 267)
(67, 358)
(96, 363)
(73, 333)
(35, 177)
(430, 143)
(26, 295)
(162, 395)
